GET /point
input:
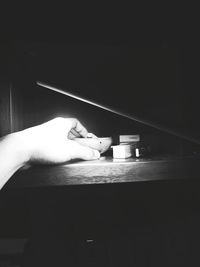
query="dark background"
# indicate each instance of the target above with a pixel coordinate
(148, 69)
(145, 67)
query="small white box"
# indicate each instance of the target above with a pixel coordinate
(122, 151)
(129, 138)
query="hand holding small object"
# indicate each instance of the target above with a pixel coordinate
(50, 143)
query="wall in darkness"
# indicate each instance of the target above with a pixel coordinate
(158, 84)
(139, 81)
(190, 57)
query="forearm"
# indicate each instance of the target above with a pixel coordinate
(12, 156)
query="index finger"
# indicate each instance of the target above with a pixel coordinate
(78, 127)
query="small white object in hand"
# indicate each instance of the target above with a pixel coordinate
(91, 135)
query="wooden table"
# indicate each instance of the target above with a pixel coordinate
(109, 170)
(120, 206)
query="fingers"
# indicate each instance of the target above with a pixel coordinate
(82, 152)
(68, 124)
(73, 127)
(91, 135)
(77, 129)
(73, 134)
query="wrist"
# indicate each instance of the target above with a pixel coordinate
(13, 156)
(19, 146)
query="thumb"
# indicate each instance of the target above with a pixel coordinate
(83, 152)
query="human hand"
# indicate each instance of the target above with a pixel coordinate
(52, 142)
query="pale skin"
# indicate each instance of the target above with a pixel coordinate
(51, 142)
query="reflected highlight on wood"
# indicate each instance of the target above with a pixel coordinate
(108, 170)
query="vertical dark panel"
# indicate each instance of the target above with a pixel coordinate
(16, 110)
(5, 126)
(5, 123)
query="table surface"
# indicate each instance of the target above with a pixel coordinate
(109, 170)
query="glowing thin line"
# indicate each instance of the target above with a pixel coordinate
(158, 127)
